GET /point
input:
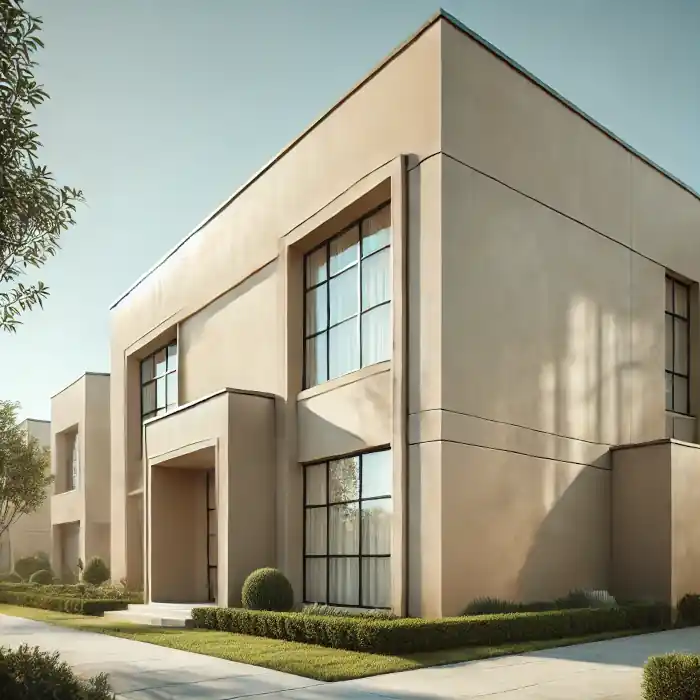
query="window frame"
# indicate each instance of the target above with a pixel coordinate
(327, 505)
(326, 244)
(72, 461)
(675, 316)
(154, 379)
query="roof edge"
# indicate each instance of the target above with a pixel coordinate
(76, 380)
(459, 25)
(384, 62)
(567, 103)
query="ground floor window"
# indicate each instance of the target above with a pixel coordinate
(347, 531)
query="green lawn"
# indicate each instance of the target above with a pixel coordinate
(307, 660)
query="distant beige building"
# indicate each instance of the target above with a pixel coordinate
(399, 362)
(31, 533)
(80, 505)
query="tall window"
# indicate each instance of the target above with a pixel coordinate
(159, 382)
(677, 346)
(347, 531)
(73, 466)
(347, 321)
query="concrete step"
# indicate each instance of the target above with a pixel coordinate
(157, 614)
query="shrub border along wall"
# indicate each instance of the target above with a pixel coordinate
(73, 605)
(410, 635)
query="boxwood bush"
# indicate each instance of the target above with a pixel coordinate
(671, 677)
(409, 635)
(30, 674)
(267, 589)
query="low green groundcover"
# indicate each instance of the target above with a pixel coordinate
(411, 635)
(671, 677)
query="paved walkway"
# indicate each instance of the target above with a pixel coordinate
(599, 671)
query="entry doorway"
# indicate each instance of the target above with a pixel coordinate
(212, 539)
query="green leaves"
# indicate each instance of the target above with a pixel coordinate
(34, 210)
(24, 469)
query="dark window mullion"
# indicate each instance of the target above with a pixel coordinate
(328, 322)
(328, 536)
(360, 461)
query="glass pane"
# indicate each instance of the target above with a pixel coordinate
(681, 303)
(344, 479)
(316, 267)
(147, 369)
(680, 394)
(344, 529)
(148, 398)
(680, 356)
(376, 231)
(376, 583)
(669, 342)
(171, 388)
(213, 521)
(211, 490)
(160, 393)
(315, 581)
(343, 250)
(376, 335)
(377, 474)
(669, 295)
(316, 522)
(213, 584)
(376, 526)
(376, 279)
(344, 351)
(344, 295)
(172, 356)
(161, 363)
(213, 550)
(669, 391)
(315, 484)
(344, 581)
(316, 310)
(316, 360)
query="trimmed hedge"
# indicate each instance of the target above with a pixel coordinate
(409, 635)
(671, 677)
(77, 606)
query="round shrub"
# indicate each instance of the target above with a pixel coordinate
(30, 674)
(671, 677)
(26, 566)
(267, 589)
(96, 572)
(43, 577)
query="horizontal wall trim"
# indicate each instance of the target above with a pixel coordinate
(513, 452)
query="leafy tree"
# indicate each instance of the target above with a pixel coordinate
(24, 467)
(34, 210)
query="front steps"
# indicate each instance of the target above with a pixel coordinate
(157, 614)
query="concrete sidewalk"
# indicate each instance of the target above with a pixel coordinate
(601, 670)
(139, 671)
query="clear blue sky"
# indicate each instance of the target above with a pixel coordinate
(160, 109)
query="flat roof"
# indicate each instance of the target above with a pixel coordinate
(75, 381)
(440, 14)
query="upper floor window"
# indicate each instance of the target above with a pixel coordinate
(677, 346)
(159, 382)
(347, 319)
(73, 466)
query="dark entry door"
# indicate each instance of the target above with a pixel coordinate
(212, 540)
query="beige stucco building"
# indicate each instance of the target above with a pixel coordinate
(80, 452)
(31, 533)
(395, 362)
